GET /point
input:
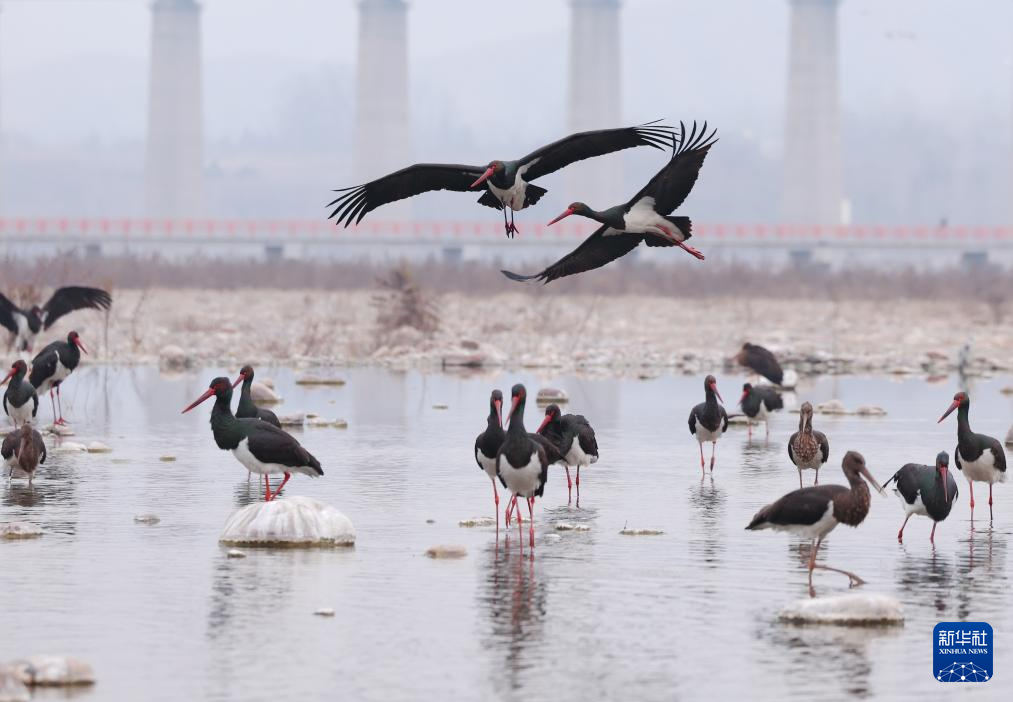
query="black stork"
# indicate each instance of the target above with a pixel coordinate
(757, 404)
(261, 447)
(21, 402)
(760, 361)
(246, 409)
(808, 449)
(644, 218)
(708, 420)
(522, 463)
(574, 437)
(487, 444)
(814, 512)
(980, 457)
(52, 365)
(925, 490)
(507, 183)
(22, 451)
(26, 324)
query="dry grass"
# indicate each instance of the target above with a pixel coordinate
(402, 303)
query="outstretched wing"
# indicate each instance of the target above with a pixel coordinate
(66, 300)
(354, 203)
(7, 310)
(670, 186)
(582, 145)
(603, 246)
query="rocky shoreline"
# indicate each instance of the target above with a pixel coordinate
(610, 335)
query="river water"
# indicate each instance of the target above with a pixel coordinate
(162, 614)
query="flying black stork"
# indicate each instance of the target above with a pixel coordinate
(52, 365)
(246, 409)
(488, 443)
(22, 451)
(814, 512)
(925, 490)
(574, 437)
(980, 457)
(260, 446)
(21, 402)
(760, 361)
(644, 218)
(708, 420)
(522, 463)
(808, 449)
(757, 404)
(507, 183)
(26, 324)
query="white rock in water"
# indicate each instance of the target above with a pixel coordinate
(830, 407)
(1009, 436)
(569, 526)
(446, 551)
(98, 447)
(263, 395)
(54, 671)
(235, 553)
(147, 519)
(547, 396)
(641, 532)
(296, 419)
(870, 411)
(790, 379)
(317, 380)
(322, 422)
(173, 358)
(70, 447)
(19, 530)
(858, 609)
(167, 459)
(738, 419)
(477, 522)
(11, 687)
(324, 612)
(59, 430)
(292, 521)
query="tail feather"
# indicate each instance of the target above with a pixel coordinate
(532, 194)
(685, 225)
(759, 521)
(520, 278)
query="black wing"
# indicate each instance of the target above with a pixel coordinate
(907, 479)
(273, 445)
(724, 419)
(670, 186)
(582, 145)
(266, 415)
(771, 398)
(791, 451)
(7, 311)
(588, 441)
(692, 420)
(1000, 455)
(761, 361)
(597, 250)
(354, 203)
(824, 445)
(68, 299)
(44, 366)
(552, 452)
(804, 507)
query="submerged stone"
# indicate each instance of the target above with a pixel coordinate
(856, 609)
(641, 532)
(318, 380)
(547, 396)
(570, 526)
(98, 447)
(19, 530)
(147, 519)
(446, 551)
(477, 522)
(288, 522)
(54, 671)
(11, 687)
(262, 394)
(324, 612)
(70, 447)
(235, 553)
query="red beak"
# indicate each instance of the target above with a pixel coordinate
(241, 378)
(513, 405)
(484, 177)
(499, 411)
(545, 423)
(745, 394)
(80, 344)
(947, 413)
(714, 387)
(567, 213)
(207, 393)
(9, 376)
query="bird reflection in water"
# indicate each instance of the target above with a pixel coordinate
(926, 580)
(708, 501)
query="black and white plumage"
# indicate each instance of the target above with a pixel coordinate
(814, 512)
(23, 451)
(247, 409)
(53, 365)
(261, 447)
(980, 457)
(645, 218)
(487, 444)
(522, 463)
(507, 184)
(26, 324)
(926, 490)
(761, 361)
(808, 449)
(757, 404)
(21, 402)
(708, 420)
(574, 438)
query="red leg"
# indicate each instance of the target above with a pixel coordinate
(900, 534)
(690, 250)
(52, 401)
(278, 490)
(702, 471)
(495, 495)
(575, 482)
(267, 489)
(569, 486)
(531, 521)
(971, 486)
(520, 524)
(990, 502)
(750, 425)
(59, 403)
(714, 447)
(932, 536)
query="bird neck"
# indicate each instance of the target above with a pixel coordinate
(964, 419)
(614, 217)
(517, 421)
(493, 418)
(224, 425)
(711, 398)
(505, 178)
(246, 405)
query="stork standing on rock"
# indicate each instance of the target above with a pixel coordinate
(53, 365)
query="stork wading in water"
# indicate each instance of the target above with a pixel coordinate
(808, 449)
(926, 490)
(507, 184)
(981, 458)
(708, 420)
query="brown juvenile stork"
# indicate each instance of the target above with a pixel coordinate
(761, 361)
(814, 512)
(808, 449)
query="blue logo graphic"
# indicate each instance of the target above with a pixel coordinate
(963, 652)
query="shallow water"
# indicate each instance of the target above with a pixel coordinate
(162, 614)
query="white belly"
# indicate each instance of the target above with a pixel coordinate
(983, 470)
(703, 434)
(761, 415)
(19, 415)
(59, 375)
(244, 456)
(522, 480)
(514, 196)
(642, 219)
(917, 507)
(488, 464)
(575, 455)
(821, 528)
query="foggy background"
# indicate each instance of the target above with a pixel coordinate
(925, 91)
